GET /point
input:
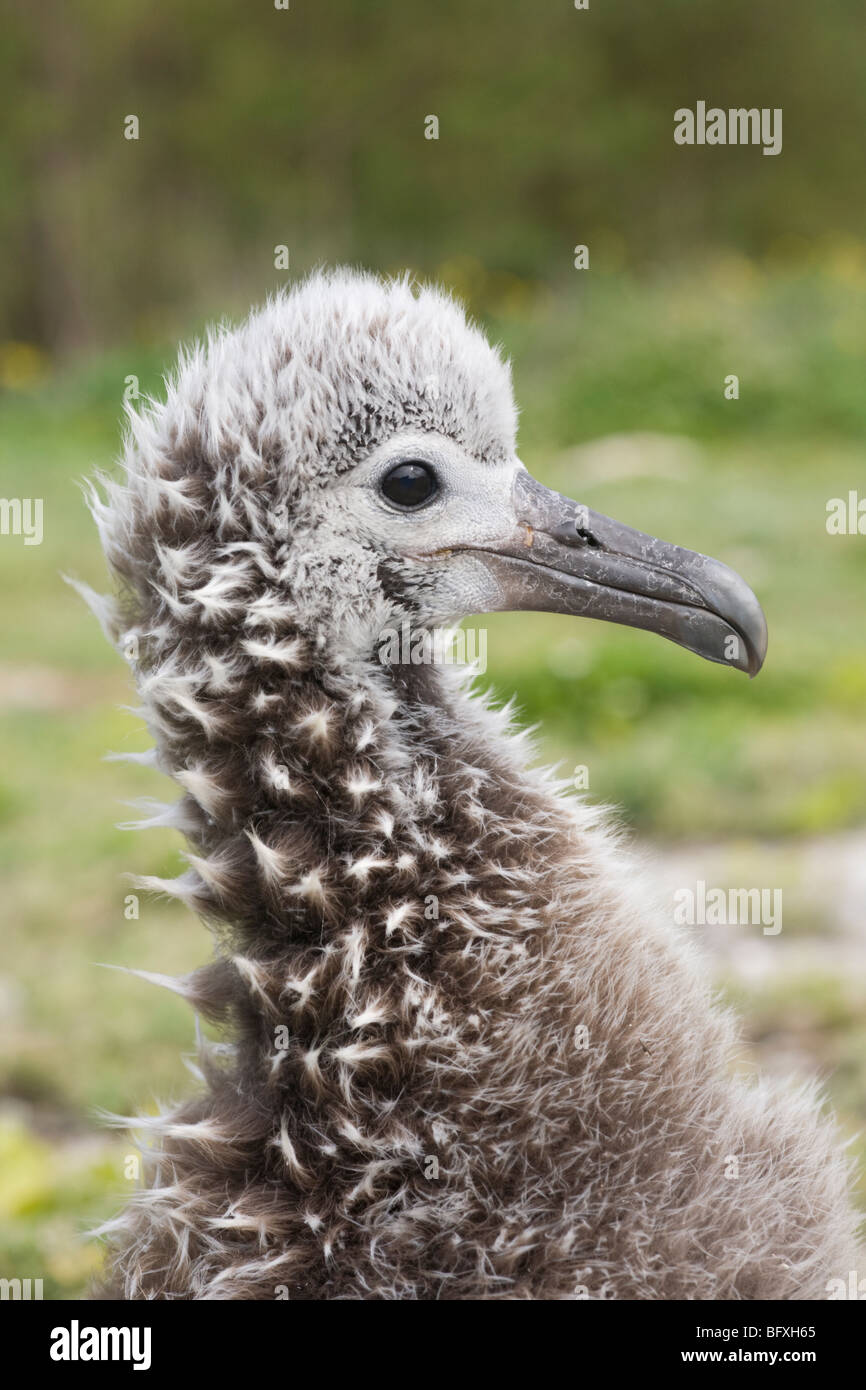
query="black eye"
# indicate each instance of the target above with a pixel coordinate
(409, 484)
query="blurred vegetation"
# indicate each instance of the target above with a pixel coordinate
(261, 127)
(305, 127)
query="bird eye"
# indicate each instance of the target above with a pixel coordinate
(409, 484)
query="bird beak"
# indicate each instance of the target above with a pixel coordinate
(565, 558)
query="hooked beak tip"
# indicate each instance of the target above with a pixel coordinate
(731, 599)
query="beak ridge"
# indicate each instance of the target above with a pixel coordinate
(567, 558)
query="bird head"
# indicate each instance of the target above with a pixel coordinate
(348, 455)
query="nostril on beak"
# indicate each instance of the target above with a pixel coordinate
(571, 532)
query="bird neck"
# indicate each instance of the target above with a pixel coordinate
(342, 821)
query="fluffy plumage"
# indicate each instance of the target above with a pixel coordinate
(466, 1059)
